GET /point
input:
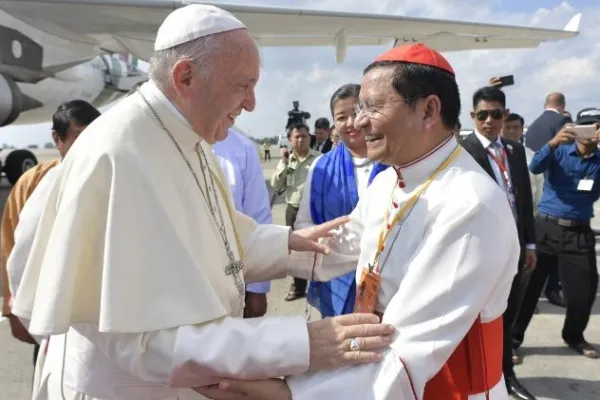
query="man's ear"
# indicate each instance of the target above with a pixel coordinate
(432, 110)
(55, 138)
(182, 74)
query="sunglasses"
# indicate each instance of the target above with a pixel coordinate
(484, 114)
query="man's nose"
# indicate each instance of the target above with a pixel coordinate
(249, 103)
(361, 121)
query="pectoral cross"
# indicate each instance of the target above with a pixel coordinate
(234, 269)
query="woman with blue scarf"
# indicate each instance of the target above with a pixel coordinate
(334, 184)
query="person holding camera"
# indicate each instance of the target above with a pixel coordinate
(290, 175)
(565, 240)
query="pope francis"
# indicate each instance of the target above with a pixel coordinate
(137, 269)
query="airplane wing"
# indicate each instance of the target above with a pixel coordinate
(130, 26)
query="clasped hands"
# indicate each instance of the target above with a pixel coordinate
(330, 339)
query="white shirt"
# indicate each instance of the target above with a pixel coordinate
(239, 160)
(485, 142)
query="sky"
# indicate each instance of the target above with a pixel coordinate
(311, 75)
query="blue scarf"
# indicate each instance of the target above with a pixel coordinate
(333, 193)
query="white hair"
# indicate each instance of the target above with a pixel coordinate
(200, 51)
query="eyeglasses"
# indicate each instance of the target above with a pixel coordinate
(370, 110)
(484, 114)
(363, 108)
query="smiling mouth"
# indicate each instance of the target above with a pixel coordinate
(373, 138)
(233, 116)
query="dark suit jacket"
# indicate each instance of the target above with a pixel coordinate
(544, 128)
(519, 174)
(326, 146)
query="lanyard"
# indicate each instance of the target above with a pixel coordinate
(387, 228)
(501, 163)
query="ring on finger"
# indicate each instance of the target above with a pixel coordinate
(354, 345)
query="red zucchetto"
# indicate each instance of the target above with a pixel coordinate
(417, 54)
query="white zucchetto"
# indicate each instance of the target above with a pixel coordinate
(192, 22)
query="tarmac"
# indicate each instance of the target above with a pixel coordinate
(550, 370)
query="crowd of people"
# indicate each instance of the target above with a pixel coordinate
(427, 251)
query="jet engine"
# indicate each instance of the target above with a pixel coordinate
(11, 100)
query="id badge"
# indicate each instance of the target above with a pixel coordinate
(585, 185)
(366, 292)
(289, 180)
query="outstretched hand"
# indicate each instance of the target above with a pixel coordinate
(307, 239)
(267, 389)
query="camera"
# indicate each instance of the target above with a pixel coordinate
(296, 116)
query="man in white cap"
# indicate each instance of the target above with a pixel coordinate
(138, 266)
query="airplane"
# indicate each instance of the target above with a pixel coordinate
(53, 51)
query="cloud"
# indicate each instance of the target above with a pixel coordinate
(310, 75)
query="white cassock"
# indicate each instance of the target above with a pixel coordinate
(453, 260)
(129, 263)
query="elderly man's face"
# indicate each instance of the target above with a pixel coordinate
(214, 101)
(387, 121)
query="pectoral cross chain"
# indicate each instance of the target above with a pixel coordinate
(234, 267)
(234, 270)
